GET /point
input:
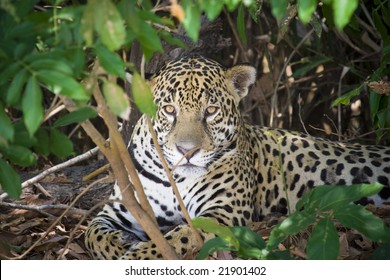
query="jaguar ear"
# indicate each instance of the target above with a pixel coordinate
(241, 77)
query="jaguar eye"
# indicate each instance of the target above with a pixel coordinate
(169, 109)
(211, 110)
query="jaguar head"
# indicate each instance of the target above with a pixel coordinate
(198, 116)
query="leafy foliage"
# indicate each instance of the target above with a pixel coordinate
(319, 208)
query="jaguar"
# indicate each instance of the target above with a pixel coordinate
(224, 168)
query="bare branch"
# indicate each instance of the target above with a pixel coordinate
(56, 168)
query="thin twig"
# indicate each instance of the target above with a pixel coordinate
(36, 243)
(96, 172)
(42, 189)
(73, 232)
(172, 181)
(55, 168)
(299, 114)
(40, 208)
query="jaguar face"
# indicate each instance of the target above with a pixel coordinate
(198, 115)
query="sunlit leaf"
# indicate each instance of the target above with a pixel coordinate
(87, 23)
(310, 65)
(209, 225)
(306, 9)
(116, 99)
(109, 24)
(212, 8)
(345, 99)
(142, 95)
(336, 197)
(343, 10)
(191, 20)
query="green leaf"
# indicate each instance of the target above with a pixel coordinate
(248, 238)
(379, 25)
(291, 225)
(384, 118)
(323, 243)
(241, 24)
(359, 218)
(343, 10)
(19, 155)
(42, 146)
(251, 245)
(63, 84)
(142, 95)
(32, 105)
(59, 65)
(172, 40)
(191, 20)
(381, 253)
(209, 225)
(145, 33)
(10, 180)
(306, 9)
(9, 72)
(60, 145)
(279, 8)
(212, 8)
(77, 58)
(345, 99)
(22, 136)
(110, 61)
(337, 197)
(87, 23)
(312, 64)
(6, 128)
(232, 4)
(213, 245)
(254, 10)
(77, 116)
(116, 99)
(323, 198)
(15, 89)
(109, 24)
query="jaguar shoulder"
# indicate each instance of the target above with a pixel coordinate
(224, 168)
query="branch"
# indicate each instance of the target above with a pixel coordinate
(55, 168)
(40, 208)
(172, 182)
(119, 158)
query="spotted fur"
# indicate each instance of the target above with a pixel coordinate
(224, 168)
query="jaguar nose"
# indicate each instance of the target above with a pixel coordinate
(187, 152)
